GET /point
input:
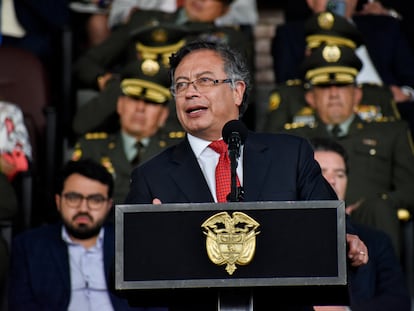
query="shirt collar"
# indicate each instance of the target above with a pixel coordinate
(344, 126)
(129, 144)
(197, 144)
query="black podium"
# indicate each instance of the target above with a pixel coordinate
(232, 256)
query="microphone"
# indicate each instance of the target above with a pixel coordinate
(234, 134)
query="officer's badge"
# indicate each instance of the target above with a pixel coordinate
(230, 240)
(274, 101)
(106, 162)
(150, 67)
(331, 53)
(326, 20)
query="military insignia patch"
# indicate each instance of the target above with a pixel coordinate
(326, 20)
(331, 53)
(230, 240)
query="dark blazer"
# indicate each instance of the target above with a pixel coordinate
(39, 273)
(380, 284)
(277, 167)
(387, 46)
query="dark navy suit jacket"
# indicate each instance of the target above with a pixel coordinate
(384, 39)
(40, 276)
(380, 284)
(276, 167)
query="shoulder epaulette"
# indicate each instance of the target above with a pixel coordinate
(96, 135)
(176, 134)
(385, 119)
(295, 125)
(293, 82)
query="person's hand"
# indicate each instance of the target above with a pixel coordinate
(399, 95)
(6, 167)
(102, 80)
(156, 201)
(358, 252)
(373, 8)
(352, 207)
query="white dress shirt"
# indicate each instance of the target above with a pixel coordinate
(207, 159)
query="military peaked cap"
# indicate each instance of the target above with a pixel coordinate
(331, 64)
(329, 28)
(146, 79)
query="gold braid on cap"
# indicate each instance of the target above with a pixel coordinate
(323, 75)
(152, 52)
(154, 92)
(314, 41)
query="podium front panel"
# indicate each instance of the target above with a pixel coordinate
(160, 247)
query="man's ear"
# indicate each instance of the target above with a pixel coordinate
(309, 98)
(57, 202)
(238, 92)
(164, 116)
(119, 104)
(357, 96)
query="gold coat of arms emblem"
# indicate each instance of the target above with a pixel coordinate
(230, 240)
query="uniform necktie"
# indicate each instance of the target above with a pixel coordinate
(140, 149)
(336, 131)
(223, 172)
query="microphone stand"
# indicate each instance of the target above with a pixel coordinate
(231, 299)
(236, 194)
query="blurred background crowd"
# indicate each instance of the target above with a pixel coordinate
(70, 72)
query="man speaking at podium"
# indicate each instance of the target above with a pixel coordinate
(211, 83)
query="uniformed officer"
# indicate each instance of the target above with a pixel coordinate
(190, 22)
(143, 109)
(287, 103)
(155, 46)
(380, 153)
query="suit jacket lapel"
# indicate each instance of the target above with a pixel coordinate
(188, 175)
(60, 255)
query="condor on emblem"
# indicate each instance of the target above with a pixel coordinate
(230, 240)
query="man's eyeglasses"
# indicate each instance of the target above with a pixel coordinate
(200, 84)
(74, 199)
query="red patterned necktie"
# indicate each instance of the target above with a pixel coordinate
(223, 173)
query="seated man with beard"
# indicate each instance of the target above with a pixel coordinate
(67, 266)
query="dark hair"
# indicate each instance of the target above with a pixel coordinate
(88, 168)
(328, 144)
(235, 65)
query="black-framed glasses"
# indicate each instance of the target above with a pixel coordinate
(74, 199)
(200, 84)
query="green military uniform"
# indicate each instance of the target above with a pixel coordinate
(381, 155)
(381, 173)
(287, 105)
(109, 151)
(123, 43)
(145, 82)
